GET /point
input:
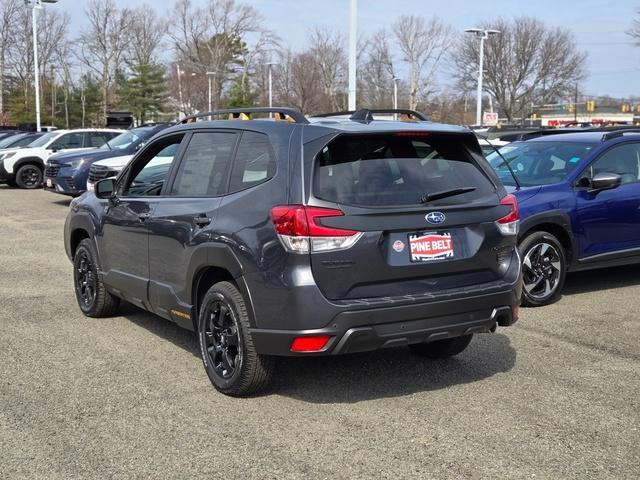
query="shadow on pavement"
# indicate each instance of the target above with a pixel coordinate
(602, 279)
(63, 201)
(389, 373)
(356, 377)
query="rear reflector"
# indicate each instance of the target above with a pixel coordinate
(309, 344)
(300, 231)
(508, 224)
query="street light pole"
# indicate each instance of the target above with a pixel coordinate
(395, 96)
(37, 5)
(483, 34)
(353, 40)
(209, 75)
(270, 81)
(270, 87)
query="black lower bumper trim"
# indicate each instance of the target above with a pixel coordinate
(372, 329)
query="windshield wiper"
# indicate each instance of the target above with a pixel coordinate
(429, 197)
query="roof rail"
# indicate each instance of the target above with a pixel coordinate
(245, 114)
(365, 115)
(618, 133)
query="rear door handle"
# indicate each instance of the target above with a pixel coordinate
(144, 216)
(202, 220)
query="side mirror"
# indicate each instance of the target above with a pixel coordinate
(54, 148)
(105, 188)
(604, 181)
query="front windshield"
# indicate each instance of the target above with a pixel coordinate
(126, 139)
(43, 140)
(9, 140)
(538, 163)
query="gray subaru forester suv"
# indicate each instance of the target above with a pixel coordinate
(294, 236)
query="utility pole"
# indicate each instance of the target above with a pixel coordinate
(353, 40)
(482, 34)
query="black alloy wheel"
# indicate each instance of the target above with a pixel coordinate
(543, 269)
(86, 281)
(29, 176)
(230, 359)
(221, 338)
(93, 298)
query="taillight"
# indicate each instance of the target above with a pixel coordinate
(508, 224)
(300, 231)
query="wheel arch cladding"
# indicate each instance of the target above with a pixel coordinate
(558, 231)
(37, 161)
(77, 235)
(203, 280)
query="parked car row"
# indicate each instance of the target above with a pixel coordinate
(24, 166)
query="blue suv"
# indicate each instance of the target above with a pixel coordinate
(579, 197)
(67, 173)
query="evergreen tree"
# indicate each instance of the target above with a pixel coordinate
(241, 94)
(144, 93)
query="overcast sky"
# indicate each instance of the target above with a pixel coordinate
(598, 25)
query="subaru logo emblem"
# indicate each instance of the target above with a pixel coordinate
(435, 217)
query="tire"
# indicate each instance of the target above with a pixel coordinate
(442, 348)
(544, 269)
(93, 298)
(229, 357)
(29, 176)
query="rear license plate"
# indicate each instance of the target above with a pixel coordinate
(49, 183)
(431, 246)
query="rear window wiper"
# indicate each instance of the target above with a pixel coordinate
(428, 197)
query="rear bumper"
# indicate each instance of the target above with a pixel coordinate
(391, 326)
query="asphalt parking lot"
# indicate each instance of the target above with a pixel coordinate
(556, 396)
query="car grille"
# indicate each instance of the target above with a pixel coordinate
(52, 170)
(98, 173)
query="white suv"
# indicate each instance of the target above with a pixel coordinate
(24, 167)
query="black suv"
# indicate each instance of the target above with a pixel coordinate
(293, 236)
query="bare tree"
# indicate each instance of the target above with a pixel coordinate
(214, 38)
(296, 81)
(527, 63)
(327, 50)
(377, 72)
(8, 16)
(423, 44)
(145, 36)
(634, 31)
(19, 54)
(103, 43)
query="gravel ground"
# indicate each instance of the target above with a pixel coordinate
(555, 396)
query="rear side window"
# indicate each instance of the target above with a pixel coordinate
(254, 162)
(396, 169)
(204, 167)
(97, 139)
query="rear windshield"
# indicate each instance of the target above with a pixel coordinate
(395, 169)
